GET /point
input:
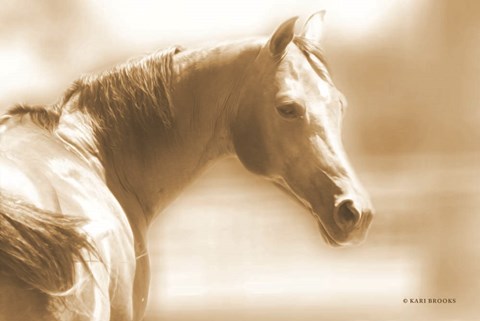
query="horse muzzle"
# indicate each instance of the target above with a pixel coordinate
(349, 226)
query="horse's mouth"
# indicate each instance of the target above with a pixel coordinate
(324, 232)
(330, 239)
(356, 236)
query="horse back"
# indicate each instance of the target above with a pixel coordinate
(37, 170)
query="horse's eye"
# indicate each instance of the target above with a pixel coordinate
(291, 110)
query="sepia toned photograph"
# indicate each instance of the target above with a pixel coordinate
(310, 160)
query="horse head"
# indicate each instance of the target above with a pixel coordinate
(288, 129)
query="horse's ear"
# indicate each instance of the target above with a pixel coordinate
(313, 28)
(282, 37)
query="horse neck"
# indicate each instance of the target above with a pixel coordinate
(148, 167)
(207, 90)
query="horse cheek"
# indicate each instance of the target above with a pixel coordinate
(250, 146)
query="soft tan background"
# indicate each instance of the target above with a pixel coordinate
(232, 247)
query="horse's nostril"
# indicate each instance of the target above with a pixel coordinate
(346, 215)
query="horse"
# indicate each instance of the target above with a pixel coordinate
(82, 180)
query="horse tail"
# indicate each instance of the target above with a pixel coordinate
(40, 248)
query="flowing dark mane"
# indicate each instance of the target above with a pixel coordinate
(133, 92)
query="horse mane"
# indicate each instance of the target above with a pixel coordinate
(44, 116)
(40, 248)
(132, 92)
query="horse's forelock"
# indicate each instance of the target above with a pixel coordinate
(308, 47)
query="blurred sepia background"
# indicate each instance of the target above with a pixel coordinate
(233, 247)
